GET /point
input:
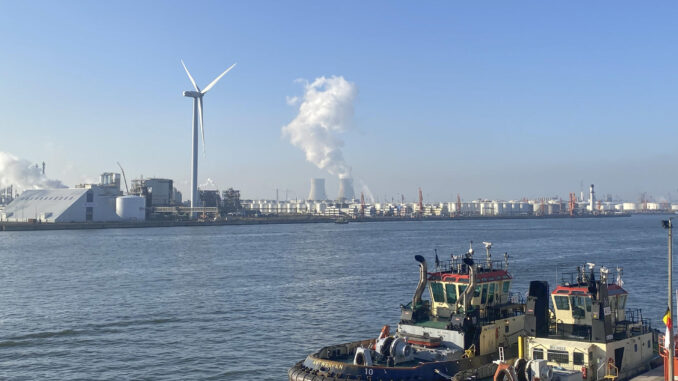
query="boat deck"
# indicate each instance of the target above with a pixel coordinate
(656, 374)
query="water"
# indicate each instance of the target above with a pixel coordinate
(247, 302)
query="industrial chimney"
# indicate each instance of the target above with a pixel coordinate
(317, 190)
(346, 189)
(592, 199)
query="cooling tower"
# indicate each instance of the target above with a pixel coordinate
(317, 190)
(346, 189)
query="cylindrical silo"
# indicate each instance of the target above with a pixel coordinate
(346, 189)
(317, 190)
(131, 208)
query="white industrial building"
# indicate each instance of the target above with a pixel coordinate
(85, 203)
(92, 203)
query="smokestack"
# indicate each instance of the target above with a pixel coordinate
(317, 190)
(592, 199)
(346, 191)
(43, 168)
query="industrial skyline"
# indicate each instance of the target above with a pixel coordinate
(528, 102)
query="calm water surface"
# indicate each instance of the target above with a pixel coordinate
(247, 302)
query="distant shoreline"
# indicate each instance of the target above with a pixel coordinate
(25, 226)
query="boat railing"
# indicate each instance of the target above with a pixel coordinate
(457, 266)
(634, 323)
(572, 278)
(516, 298)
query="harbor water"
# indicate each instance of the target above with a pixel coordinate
(247, 302)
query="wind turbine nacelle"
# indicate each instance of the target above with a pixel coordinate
(192, 94)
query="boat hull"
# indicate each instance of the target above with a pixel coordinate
(325, 365)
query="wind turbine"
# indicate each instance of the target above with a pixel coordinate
(197, 118)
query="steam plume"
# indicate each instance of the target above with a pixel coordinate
(326, 111)
(23, 175)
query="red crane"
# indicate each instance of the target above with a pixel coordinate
(572, 204)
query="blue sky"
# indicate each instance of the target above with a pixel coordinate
(485, 99)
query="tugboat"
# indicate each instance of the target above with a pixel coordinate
(590, 329)
(471, 320)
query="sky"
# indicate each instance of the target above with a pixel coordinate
(499, 100)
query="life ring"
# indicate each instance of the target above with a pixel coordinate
(505, 372)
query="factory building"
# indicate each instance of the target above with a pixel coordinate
(231, 200)
(158, 192)
(85, 204)
(6, 195)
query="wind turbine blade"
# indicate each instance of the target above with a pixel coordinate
(208, 87)
(190, 76)
(202, 129)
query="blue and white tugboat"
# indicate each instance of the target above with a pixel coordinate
(471, 320)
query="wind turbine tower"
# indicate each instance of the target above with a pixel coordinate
(197, 118)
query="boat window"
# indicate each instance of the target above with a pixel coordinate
(588, 304)
(438, 293)
(462, 288)
(562, 302)
(483, 296)
(613, 302)
(578, 307)
(507, 284)
(622, 301)
(476, 293)
(490, 299)
(578, 358)
(451, 290)
(537, 354)
(561, 357)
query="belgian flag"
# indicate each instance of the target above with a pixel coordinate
(669, 327)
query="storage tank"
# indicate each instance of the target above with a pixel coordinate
(131, 208)
(629, 206)
(607, 206)
(653, 206)
(525, 208)
(507, 208)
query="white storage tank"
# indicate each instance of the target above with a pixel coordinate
(525, 208)
(131, 208)
(607, 206)
(629, 206)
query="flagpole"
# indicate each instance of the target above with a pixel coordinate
(668, 225)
